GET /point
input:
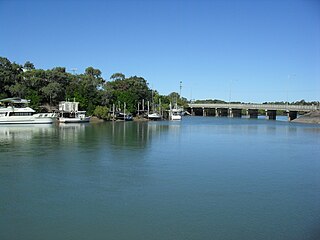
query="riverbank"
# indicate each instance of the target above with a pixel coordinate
(94, 119)
(311, 117)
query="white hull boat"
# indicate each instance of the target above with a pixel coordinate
(74, 120)
(175, 116)
(154, 116)
(69, 113)
(175, 113)
(15, 111)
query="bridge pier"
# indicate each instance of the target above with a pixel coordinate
(292, 115)
(204, 112)
(271, 114)
(192, 112)
(252, 113)
(235, 112)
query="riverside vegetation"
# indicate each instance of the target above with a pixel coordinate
(46, 88)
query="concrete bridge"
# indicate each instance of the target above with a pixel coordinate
(251, 110)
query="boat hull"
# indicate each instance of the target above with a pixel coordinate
(154, 116)
(74, 120)
(19, 120)
(176, 117)
(123, 117)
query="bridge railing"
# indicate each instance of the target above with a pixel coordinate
(285, 107)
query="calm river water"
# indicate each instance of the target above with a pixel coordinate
(201, 178)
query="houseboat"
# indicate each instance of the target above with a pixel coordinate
(69, 113)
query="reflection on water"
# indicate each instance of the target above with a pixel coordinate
(71, 131)
(18, 141)
(124, 135)
(12, 133)
(199, 178)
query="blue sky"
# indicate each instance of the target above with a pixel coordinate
(250, 51)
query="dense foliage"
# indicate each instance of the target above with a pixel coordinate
(130, 90)
(46, 88)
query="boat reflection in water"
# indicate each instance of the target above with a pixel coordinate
(71, 131)
(23, 132)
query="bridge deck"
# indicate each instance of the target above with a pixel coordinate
(285, 107)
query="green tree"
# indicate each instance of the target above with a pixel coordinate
(28, 66)
(35, 79)
(87, 89)
(102, 112)
(10, 74)
(129, 90)
(18, 90)
(90, 71)
(52, 91)
(117, 76)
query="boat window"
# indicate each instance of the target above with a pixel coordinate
(20, 114)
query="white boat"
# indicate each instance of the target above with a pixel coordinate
(16, 111)
(175, 113)
(69, 113)
(154, 116)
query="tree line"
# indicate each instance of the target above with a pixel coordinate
(46, 88)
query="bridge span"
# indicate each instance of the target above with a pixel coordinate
(251, 110)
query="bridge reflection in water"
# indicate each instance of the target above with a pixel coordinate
(251, 110)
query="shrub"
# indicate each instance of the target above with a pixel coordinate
(102, 112)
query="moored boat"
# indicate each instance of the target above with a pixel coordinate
(175, 113)
(154, 116)
(69, 113)
(16, 111)
(123, 116)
